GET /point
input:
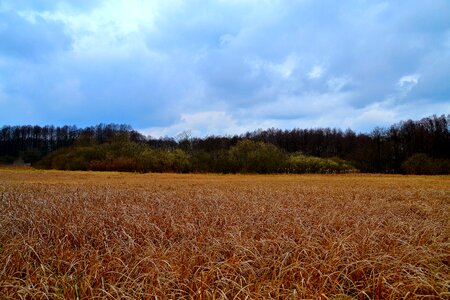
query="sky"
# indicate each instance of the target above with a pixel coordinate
(223, 67)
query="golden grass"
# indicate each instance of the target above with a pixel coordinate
(165, 236)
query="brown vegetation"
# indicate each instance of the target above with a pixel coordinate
(111, 235)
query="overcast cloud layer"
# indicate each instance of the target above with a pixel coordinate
(225, 66)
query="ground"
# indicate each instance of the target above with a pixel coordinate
(117, 235)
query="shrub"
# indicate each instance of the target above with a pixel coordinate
(180, 161)
(422, 164)
(147, 160)
(245, 157)
(299, 163)
(256, 157)
(123, 164)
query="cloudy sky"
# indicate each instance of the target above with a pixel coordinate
(223, 66)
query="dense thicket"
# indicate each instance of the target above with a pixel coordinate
(26, 140)
(245, 157)
(416, 147)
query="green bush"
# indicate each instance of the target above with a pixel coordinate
(422, 164)
(147, 160)
(76, 163)
(299, 163)
(256, 157)
(245, 157)
(180, 161)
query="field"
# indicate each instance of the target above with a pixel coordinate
(166, 236)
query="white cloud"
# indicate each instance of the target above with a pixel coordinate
(376, 113)
(286, 68)
(407, 82)
(295, 106)
(207, 123)
(281, 70)
(199, 123)
(114, 24)
(316, 72)
(336, 84)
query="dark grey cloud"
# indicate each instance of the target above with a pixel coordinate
(31, 39)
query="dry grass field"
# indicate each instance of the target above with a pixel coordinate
(69, 235)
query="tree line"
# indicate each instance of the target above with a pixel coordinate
(418, 147)
(34, 142)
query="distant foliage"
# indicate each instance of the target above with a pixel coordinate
(117, 156)
(6, 160)
(256, 157)
(245, 157)
(320, 150)
(299, 163)
(422, 164)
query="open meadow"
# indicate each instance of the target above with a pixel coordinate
(86, 235)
